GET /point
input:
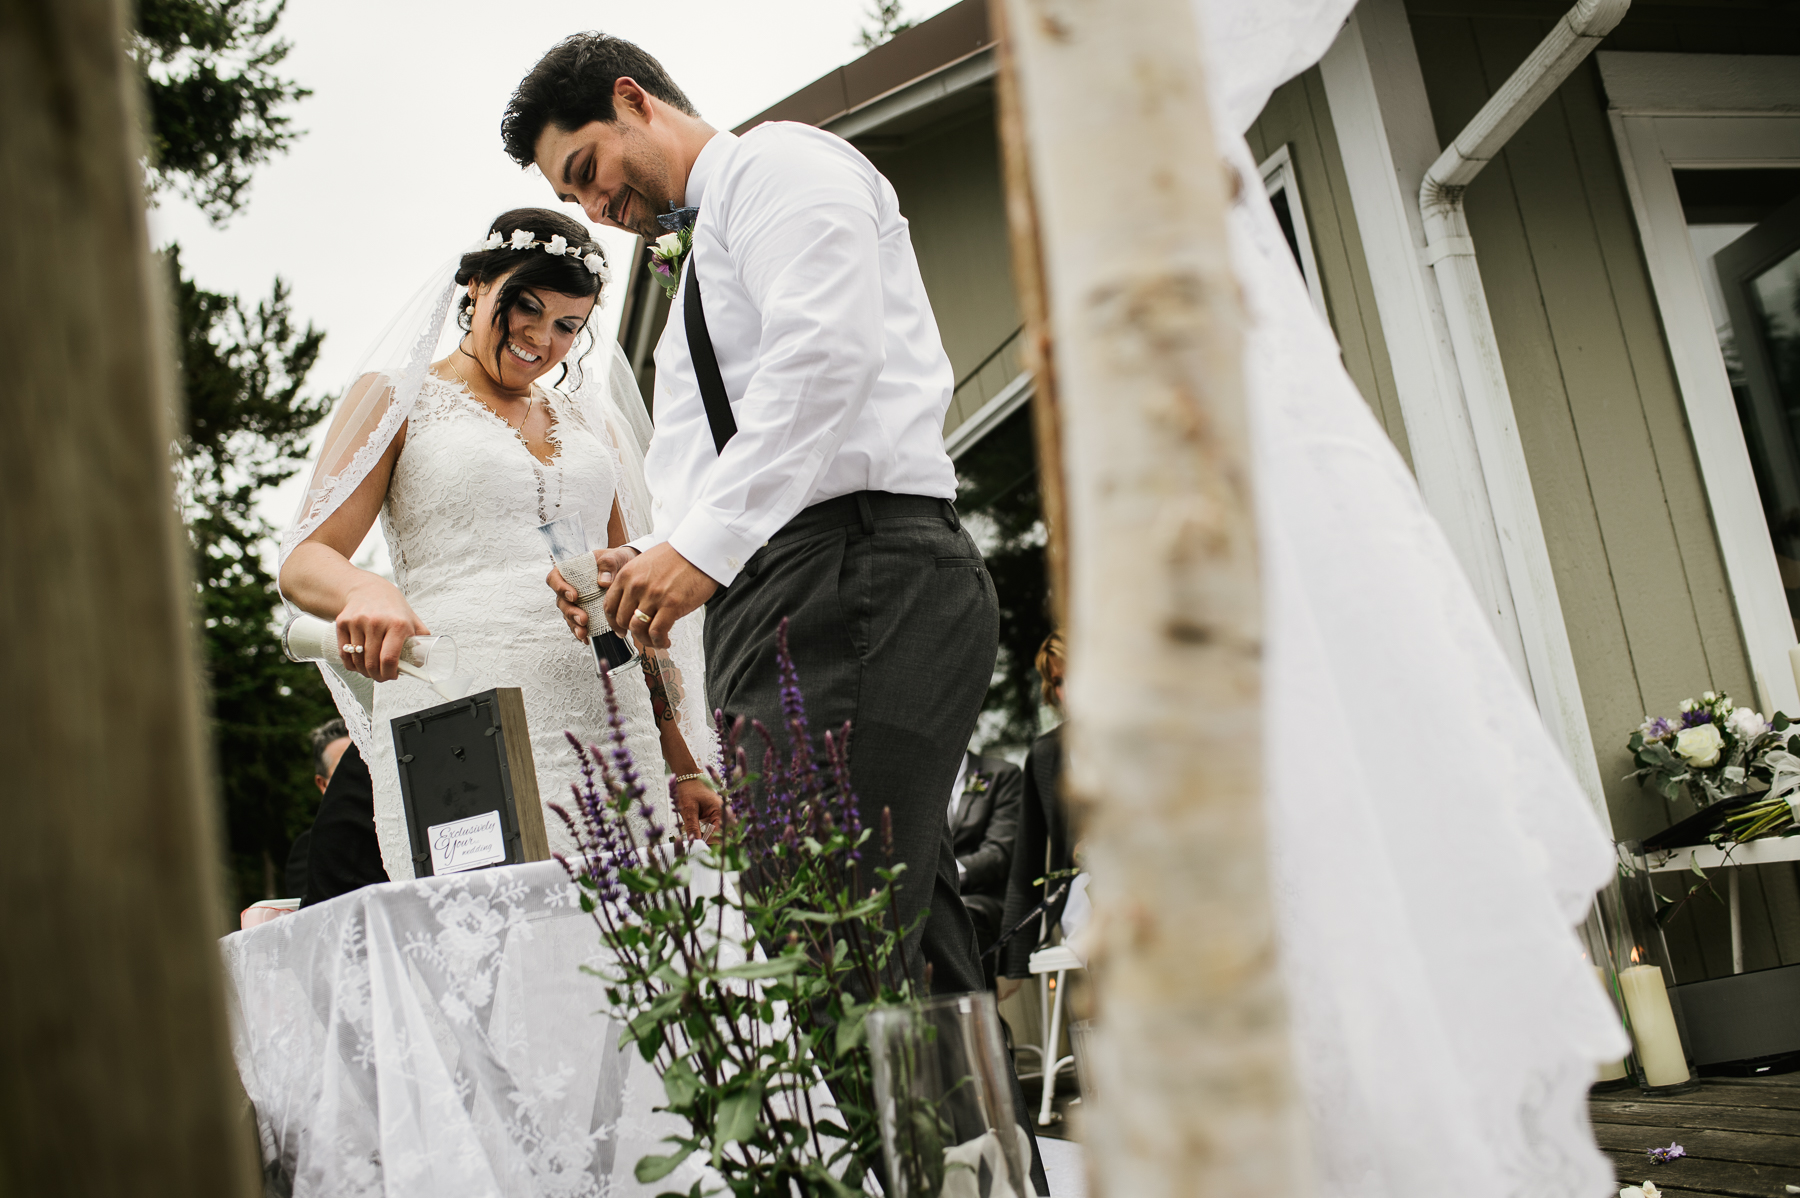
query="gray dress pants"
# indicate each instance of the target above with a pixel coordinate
(894, 627)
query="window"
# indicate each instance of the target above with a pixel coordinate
(1710, 145)
(1744, 225)
(1284, 193)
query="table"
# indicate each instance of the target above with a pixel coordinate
(1755, 852)
(438, 1038)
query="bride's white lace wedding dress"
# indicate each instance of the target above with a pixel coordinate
(461, 520)
(439, 1036)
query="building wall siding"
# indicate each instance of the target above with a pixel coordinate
(950, 189)
(950, 186)
(1298, 117)
(1630, 533)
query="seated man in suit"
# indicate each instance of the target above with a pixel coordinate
(984, 816)
(1044, 843)
(329, 740)
(342, 853)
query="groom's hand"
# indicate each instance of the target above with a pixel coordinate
(664, 586)
(609, 561)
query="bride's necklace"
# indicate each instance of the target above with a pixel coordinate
(529, 401)
(518, 430)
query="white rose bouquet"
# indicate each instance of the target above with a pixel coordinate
(1712, 751)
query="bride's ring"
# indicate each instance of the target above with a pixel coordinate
(353, 648)
(641, 614)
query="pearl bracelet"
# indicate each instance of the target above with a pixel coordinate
(680, 778)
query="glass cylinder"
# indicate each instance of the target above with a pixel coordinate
(430, 659)
(572, 552)
(1597, 949)
(944, 1099)
(1646, 983)
(1081, 1040)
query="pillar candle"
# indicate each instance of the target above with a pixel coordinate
(1609, 1071)
(1653, 1026)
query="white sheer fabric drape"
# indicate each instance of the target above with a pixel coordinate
(1432, 852)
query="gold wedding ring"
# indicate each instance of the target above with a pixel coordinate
(640, 614)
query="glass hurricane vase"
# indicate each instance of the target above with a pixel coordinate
(944, 1098)
(1646, 982)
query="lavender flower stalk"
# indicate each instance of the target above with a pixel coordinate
(685, 979)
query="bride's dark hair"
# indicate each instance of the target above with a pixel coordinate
(528, 268)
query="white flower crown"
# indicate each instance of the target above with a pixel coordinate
(558, 245)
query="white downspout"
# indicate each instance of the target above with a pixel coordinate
(1451, 254)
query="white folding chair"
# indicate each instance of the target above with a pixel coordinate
(1057, 959)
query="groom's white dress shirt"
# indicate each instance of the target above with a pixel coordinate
(830, 355)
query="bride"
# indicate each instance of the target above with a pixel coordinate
(463, 450)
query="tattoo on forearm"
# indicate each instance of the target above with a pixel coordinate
(665, 685)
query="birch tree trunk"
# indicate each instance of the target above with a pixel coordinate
(115, 1077)
(1195, 1095)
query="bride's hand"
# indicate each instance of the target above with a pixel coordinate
(609, 561)
(373, 626)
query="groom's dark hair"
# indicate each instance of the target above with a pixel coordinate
(573, 84)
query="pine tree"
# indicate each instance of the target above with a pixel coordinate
(212, 96)
(244, 431)
(216, 110)
(884, 21)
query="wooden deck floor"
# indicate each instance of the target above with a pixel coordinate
(1742, 1137)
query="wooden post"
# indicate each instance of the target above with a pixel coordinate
(115, 1076)
(1129, 195)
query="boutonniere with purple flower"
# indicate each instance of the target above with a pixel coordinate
(666, 256)
(977, 784)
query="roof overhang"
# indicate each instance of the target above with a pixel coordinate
(955, 87)
(920, 76)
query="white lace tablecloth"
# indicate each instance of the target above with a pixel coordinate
(439, 1038)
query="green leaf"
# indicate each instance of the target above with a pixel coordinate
(820, 1175)
(655, 1168)
(779, 967)
(850, 1030)
(738, 1113)
(647, 1030)
(680, 1084)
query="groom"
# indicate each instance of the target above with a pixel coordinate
(812, 482)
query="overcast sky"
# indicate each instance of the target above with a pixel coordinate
(401, 165)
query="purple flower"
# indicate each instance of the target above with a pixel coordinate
(1662, 1156)
(1696, 717)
